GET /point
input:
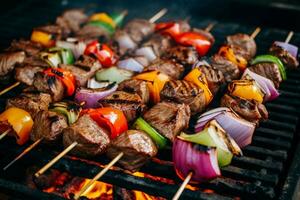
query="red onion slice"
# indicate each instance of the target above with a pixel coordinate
(125, 42)
(146, 52)
(191, 157)
(265, 84)
(91, 96)
(292, 49)
(130, 64)
(94, 84)
(239, 129)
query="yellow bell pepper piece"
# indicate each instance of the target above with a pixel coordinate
(196, 77)
(246, 89)
(227, 52)
(103, 17)
(43, 38)
(21, 123)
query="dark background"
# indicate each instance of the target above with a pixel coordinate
(17, 17)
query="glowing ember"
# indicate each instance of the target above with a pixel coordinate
(98, 190)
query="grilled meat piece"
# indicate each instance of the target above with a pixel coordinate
(268, 70)
(245, 42)
(29, 47)
(137, 147)
(139, 29)
(50, 85)
(36, 61)
(71, 20)
(136, 86)
(49, 126)
(31, 102)
(8, 61)
(213, 76)
(90, 32)
(183, 55)
(168, 118)
(182, 91)
(288, 60)
(131, 104)
(229, 70)
(25, 73)
(166, 66)
(92, 139)
(250, 110)
(159, 43)
(83, 72)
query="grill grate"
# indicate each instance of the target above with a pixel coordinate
(259, 174)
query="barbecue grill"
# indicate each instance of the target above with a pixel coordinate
(269, 169)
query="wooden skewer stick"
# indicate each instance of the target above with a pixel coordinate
(10, 88)
(182, 187)
(54, 160)
(88, 187)
(23, 153)
(158, 15)
(4, 134)
(289, 37)
(210, 26)
(255, 32)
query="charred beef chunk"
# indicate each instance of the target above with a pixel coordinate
(182, 91)
(131, 104)
(168, 118)
(159, 43)
(229, 70)
(92, 139)
(50, 85)
(288, 60)
(136, 86)
(168, 67)
(83, 70)
(9, 60)
(137, 147)
(250, 110)
(183, 55)
(139, 29)
(49, 126)
(213, 76)
(25, 73)
(36, 61)
(245, 42)
(268, 70)
(71, 20)
(31, 102)
(29, 47)
(90, 32)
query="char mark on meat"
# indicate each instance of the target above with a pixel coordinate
(245, 42)
(229, 70)
(186, 56)
(29, 47)
(182, 91)
(31, 102)
(50, 85)
(26, 73)
(288, 59)
(136, 86)
(168, 118)
(131, 104)
(250, 110)
(92, 139)
(168, 67)
(268, 70)
(137, 147)
(8, 61)
(49, 126)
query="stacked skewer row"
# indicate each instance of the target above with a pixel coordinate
(130, 91)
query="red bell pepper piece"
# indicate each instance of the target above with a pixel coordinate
(169, 28)
(102, 52)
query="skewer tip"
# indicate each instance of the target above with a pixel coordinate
(289, 37)
(210, 26)
(10, 88)
(255, 32)
(158, 15)
(182, 187)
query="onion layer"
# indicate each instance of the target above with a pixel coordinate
(239, 129)
(113, 74)
(292, 49)
(147, 52)
(191, 157)
(214, 136)
(77, 47)
(130, 64)
(264, 83)
(91, 96)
